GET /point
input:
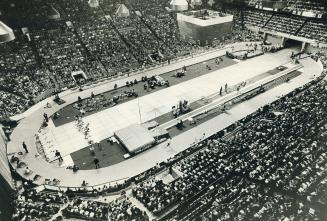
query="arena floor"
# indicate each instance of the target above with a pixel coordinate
(104, 123)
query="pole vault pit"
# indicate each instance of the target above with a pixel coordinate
(204, 26)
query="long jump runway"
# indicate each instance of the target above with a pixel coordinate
(67, 138)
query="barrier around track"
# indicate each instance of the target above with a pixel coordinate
(112, 186)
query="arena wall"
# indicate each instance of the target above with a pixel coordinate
(6, 184)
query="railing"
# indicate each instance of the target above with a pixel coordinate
(115, 186)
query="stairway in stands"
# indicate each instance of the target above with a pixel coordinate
(268, 20)
(143, 20)
(87, 54)
(128, 45)
(300, 28)
(160, 40)
(32, 45)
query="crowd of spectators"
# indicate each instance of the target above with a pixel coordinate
(272, 167)
(253, 203)
(313, 7)
(19, 71)
(306, 8)
(31, 204)
(99, 36)
(145, 46)
(86, 209)
(34, 211)
(285, 23)
(92, 40)
(61, 53)
(311, 28)
(34, 203)
(156, 195)
(256, 17)
(101, 39)
(164, 26)
(315, 30)
(95, 41)
(11, 104)
(240, 33)
(123, 209)
(21, 79)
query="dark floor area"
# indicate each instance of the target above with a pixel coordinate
(108, 154)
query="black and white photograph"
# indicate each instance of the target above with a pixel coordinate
(163, 110)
